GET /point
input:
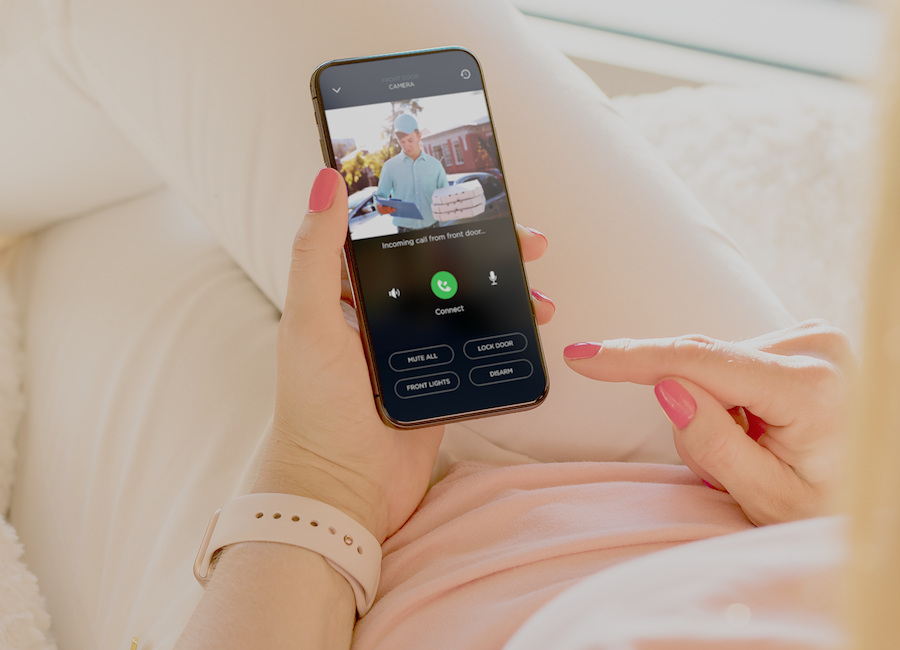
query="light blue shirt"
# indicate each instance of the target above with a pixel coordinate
(413, 181)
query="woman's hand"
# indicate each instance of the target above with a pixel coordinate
(760, 418)
(328, 441)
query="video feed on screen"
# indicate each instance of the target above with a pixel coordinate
(418, 163)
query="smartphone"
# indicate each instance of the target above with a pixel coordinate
(434, 260)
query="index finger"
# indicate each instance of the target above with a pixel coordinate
(772, 386)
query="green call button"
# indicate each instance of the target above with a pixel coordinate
(444, 285)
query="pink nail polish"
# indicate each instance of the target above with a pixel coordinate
(581, 351)
(676, 402)
(757, 427)
(321, 197)
(713, 487)
(539, 296)
(538, 233)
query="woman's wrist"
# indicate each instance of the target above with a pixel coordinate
(288, 469)
(256, 584)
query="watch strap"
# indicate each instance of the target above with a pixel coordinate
(346, 545)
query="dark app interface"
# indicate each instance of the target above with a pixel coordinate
(442, 287)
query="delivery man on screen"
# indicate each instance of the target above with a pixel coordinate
(412, 175)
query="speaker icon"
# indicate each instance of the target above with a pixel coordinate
(394, 293)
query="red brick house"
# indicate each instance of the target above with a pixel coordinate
(465, 148)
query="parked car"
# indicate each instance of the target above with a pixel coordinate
(358, 199)
(364, 219)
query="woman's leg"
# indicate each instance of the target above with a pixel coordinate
(216, 96)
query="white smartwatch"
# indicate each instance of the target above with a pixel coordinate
(346, 544)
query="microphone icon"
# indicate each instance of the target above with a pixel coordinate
(493, 278)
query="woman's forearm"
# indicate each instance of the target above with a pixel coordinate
(270, 595)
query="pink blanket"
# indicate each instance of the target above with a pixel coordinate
(490, 546)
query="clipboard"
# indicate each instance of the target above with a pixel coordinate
(404, 209)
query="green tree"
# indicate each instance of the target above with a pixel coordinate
(341, 149)
(354, 169)
(377, 159)
(364, 168)
(485, 154)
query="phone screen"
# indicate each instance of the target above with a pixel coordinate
(442, 297)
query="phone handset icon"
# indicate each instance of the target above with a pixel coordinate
(444, 285)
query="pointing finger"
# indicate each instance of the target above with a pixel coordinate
(770, 385)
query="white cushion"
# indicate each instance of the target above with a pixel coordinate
(60, 155)
(151, 375)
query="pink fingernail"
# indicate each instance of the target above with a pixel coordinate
(757, 427)
(676, 402)
(539, 296)
(581, 351)
(321, 197)
(713, 487)
(538, 233)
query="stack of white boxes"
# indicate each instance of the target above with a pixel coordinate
(460, 201)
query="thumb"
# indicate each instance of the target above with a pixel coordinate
(314, 282)
(717, 448)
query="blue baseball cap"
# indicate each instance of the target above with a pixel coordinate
(405, 123)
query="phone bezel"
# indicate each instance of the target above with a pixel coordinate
(350, 260)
